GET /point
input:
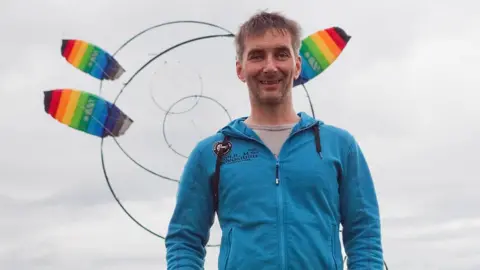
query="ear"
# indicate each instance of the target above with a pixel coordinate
(298, 66)
(239, 69)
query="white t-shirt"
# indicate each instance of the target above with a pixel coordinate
(273, 136)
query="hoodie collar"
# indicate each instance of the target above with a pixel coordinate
(238, 127)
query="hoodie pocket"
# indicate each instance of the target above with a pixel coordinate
(228, 247)
(333, 244)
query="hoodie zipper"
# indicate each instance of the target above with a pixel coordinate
(280, 211)
(280, 214)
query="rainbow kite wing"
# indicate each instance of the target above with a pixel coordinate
(91, 59)
(86, 112)
(319, 51)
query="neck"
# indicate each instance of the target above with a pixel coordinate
(278, 114)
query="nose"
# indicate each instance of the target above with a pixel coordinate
(270, 64)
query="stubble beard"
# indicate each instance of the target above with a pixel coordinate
(265, 98)
(271, 100)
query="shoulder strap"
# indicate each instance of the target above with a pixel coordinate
(216, 174)
(316, 132)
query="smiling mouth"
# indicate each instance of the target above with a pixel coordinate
(270, 82)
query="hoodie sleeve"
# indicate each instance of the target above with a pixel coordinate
(360, 214)
(193, 216)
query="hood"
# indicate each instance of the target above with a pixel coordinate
(238, 128)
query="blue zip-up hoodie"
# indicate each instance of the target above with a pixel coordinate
(278, 213)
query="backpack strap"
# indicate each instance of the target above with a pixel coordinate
(216, 175)
(316, 132)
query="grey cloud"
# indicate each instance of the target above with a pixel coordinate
(404, 86)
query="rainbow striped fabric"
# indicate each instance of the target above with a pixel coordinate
(86, 112)
(91, 59)
(319, 50)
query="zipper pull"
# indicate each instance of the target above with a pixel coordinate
(276, 174)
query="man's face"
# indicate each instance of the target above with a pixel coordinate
(268, 66)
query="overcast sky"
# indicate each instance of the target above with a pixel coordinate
(406, 87)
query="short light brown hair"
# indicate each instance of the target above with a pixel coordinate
(263, 21)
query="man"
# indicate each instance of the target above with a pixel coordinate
(286, 181)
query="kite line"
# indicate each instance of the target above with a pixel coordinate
(228, 34)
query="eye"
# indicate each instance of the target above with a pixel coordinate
(255, 56)
(283, 55)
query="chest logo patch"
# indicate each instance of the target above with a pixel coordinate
(220, 147)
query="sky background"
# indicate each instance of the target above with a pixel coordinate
(406, 87)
